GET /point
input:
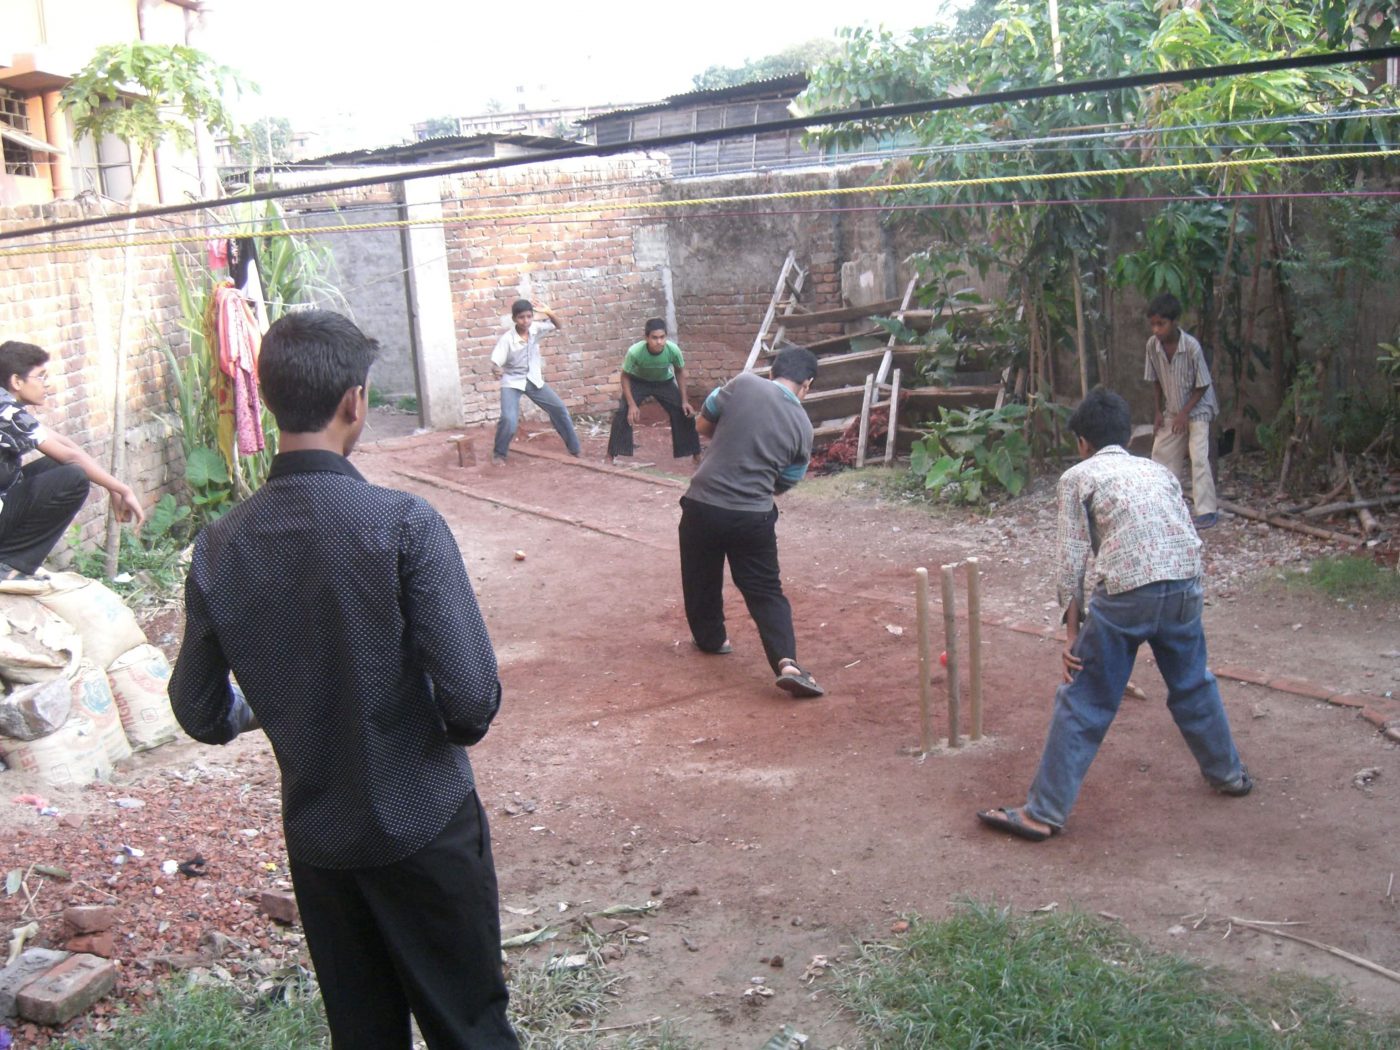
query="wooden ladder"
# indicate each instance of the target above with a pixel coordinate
(787, 296)
(876, 384)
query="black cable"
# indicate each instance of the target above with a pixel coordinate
(903, 109)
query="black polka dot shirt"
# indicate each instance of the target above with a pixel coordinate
(345, 613)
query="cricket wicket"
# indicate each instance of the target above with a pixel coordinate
(950, 634)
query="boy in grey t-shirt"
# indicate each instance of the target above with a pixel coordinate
(760, 442)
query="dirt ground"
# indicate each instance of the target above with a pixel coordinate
(626, 767)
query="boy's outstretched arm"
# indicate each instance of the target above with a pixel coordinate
(125, 503)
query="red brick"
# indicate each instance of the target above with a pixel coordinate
(281, 906)
(1379, 719)
(103, 944)
(1393, 733)
(1301, 687)
(90, 918)
(67, 990)
(1242, 674)
(1349, 699)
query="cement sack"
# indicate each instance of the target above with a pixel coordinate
(92, 696)
(28, 712)
(72, 755)
(140, 682)
(36, 645)
(107, 627)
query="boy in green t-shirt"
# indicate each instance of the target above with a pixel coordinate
(654, 368)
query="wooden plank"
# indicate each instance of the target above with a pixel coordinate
(891, 432)
(864, 432)
(845, 313)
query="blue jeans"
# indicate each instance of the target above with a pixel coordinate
(1167, 616)
(548, 400)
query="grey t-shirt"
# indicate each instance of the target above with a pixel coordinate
(761, 445)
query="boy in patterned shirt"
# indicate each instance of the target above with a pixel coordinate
(1128, 512)
(39, 499)
(1185, 404)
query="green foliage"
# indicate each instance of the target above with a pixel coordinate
(407, 403)
(988, 978)
(436, 127)
(218, 1017)
(264, 142)
(151, 563)
(1347, 578)
(970, 453)
(146, 93)
(796, 59)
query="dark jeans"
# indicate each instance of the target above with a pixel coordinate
(708, 536)
(684, 440)
(1167, 616)
(421, 935)
(38, 509)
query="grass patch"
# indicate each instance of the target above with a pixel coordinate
(407, 403)
(988, 979)
(377, 398)
(1347, 577)
(552, 1009)
(218, 1017)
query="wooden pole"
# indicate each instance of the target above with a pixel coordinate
(1295, 526)
(925, 662)
(1079, 340)
(864, 439)
(950, 635)
(974, 644)
(892, 433)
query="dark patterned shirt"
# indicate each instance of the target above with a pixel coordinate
(20, 432)
(346, 614)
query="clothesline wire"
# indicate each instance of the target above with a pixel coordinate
(232, 226)
(859, 116)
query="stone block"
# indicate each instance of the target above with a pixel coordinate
(30, 964)
(67, 990)
(281, 906)
(90, 918)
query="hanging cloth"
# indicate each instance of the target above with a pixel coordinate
(236, 347)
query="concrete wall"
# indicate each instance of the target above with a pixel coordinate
(368, 270)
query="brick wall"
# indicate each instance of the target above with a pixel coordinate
(69, 303)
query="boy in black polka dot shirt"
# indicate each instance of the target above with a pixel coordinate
(346, 614)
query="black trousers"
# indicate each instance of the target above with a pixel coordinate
(38, 509)
(684, 440)
(708, 536)
(421, 935)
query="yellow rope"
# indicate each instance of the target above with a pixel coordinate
(697, 202)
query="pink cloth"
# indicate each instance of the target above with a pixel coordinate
(239, 339)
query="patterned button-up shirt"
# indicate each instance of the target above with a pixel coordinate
(1182, 375)
(518, 356)
(345, 612)
(20, 432)
(1129, 514)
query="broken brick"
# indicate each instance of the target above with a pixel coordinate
(280, 906)
(103, 944)
(67, 990)
(90, 918)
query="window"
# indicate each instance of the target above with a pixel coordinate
(103, 167)
(13, 111)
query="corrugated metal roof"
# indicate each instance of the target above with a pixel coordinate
(789, 85)
(433, 147)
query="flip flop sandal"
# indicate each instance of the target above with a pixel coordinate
(798, 683)
(724, 650)
(1009, 820)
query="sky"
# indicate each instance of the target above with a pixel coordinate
(386, 65)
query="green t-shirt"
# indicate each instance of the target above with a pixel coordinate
(641, 363)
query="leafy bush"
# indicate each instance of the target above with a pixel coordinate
(966, 453)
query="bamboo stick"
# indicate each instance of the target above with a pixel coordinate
(950, 636)
(925, 662)
(1341, 953)
(864, 439)
(892, 430)
(1285, 523)
(974, 644)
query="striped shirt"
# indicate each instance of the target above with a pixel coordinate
(1182, 375)
(1129, 513)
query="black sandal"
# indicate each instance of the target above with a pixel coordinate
(796, 682)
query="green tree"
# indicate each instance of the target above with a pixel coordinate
(435, 127)
(265, 142)
(796, 59)
(1055, 255)
(145, 94)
